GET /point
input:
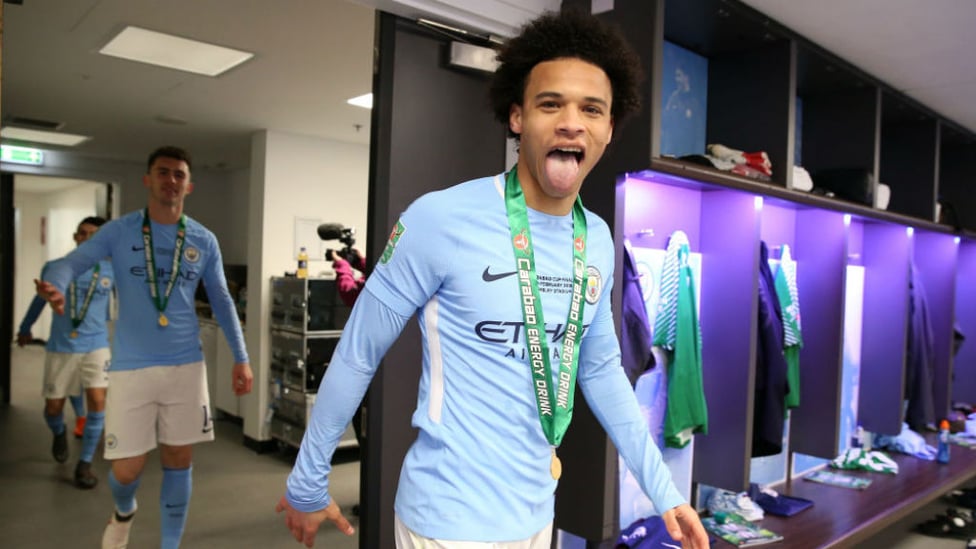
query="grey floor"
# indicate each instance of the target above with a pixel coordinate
(234, 489)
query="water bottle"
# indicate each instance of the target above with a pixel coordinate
(942, 456)
(302, 271)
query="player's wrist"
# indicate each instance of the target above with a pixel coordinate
(307, 507)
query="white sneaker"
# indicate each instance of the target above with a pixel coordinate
(116, 535)
(724, 501)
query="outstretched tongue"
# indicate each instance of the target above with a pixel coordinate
(562, 168)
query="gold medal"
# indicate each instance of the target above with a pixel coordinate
(555, 466)
(74, 334)
(163, 321)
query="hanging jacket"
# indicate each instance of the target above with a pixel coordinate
(771, 385)
(635, 340)
(676, 329)
(920, 411)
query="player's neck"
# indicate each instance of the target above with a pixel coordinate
(165, 214)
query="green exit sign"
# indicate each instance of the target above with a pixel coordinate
(21, 155)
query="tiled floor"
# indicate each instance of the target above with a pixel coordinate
(234, 490)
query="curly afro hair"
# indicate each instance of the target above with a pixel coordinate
(566, 34)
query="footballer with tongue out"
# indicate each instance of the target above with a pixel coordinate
(503, 347)
(563, 124)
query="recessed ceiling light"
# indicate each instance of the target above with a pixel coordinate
(38, 136)
(365, 101)
(170, 51)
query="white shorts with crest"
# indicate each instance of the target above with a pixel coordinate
(66, 374)
(159, 404)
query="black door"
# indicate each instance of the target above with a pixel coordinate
(6, 279)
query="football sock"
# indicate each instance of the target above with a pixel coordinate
(55, 423)
(123, 494)
(174, 502)
(78, 403)
(93, 432)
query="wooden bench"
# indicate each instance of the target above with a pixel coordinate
(842, 517)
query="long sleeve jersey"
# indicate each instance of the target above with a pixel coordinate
(479, 468)
(140, 341)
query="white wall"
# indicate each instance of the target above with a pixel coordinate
(292, 176)
(220, 202)
(61, 210)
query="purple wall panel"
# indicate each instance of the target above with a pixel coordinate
(821, 256)
(964, 365)
(936, 257)
(886, 257)
(730, 265)
(778, 227)
(663, 209)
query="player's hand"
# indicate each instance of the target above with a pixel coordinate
(243, 378)
(304, 526)
(354, 257)
(51, 294)
(683, 525)
(24, 339)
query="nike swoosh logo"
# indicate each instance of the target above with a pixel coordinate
(174, 506)
(491, 277)
(138, 248)
(207, 430)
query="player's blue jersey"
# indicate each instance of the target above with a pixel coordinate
(140, 341)
(92, 333)
(480, 467)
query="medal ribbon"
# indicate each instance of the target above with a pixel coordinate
(77, 317)
(162, 300)
(555, 417)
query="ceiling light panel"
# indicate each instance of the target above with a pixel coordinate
(38, 136)
(166, 50)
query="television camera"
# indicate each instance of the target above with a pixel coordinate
(336, 231)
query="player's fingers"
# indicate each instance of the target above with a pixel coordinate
(343, 525)
(309, 535)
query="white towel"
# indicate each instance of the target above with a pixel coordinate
(882, 195)
(801, 179)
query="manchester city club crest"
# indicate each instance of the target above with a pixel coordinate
(111, 442)
(106, 283)
(594, 284)
(191, 254)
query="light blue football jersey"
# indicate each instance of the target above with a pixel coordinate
(479, 468)
(139, 340)
(92, 333)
